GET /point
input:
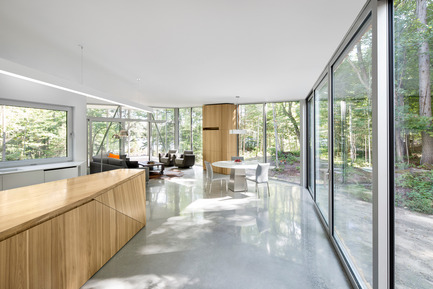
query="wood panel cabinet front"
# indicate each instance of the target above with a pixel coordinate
(13, 262)
(128, 199)
(66, 250)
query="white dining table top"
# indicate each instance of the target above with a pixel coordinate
(233, 165)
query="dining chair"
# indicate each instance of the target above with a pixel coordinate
(237, 158)
(210, 176)
(261, 177)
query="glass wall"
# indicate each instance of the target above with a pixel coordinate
(162, 131)
(413, 144)
(197, 139)
(105, 131)
(136, 144)
(105, 138)
(98, 110)
(321, 149)
(282, 140)
(251, 143)
(185, 141)
(352, 137)
(360, 185)
(310, 141)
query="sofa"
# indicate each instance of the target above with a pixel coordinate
(186, 160)
(168, 158)
(109, 164)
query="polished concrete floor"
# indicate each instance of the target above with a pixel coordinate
(195, 238)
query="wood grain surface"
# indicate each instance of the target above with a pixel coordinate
(64, 249)
(219, 145)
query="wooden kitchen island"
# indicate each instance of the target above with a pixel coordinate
(58, 234)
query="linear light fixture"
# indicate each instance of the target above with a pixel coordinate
(147, 109)
(237, 130)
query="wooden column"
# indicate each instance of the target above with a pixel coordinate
(218, 144)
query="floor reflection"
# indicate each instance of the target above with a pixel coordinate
(200, 239)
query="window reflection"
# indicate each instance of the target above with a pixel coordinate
(321, 149)
(352, 157)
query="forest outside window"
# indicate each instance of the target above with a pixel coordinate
(34, 133)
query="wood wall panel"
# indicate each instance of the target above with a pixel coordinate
(228, 117)
(219, 145)
(211, 115)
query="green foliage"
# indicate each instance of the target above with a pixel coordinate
(33, 133)
(250, 143)
(285, 157)
(416, 191)
(360, 192)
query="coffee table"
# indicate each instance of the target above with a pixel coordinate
(152, 165)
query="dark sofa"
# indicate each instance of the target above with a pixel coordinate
(109, 164)
(186, 160)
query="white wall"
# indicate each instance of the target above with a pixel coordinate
(12, 88)
(62, 65)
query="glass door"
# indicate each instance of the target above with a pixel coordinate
(352, 137)
(310, 155)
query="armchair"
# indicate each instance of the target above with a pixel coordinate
(168, 158)
(186, 160)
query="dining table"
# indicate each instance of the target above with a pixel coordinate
(237, 173)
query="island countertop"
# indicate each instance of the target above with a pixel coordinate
(23, 208)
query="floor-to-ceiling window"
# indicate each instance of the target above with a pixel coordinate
(310, 141)
(197, 139)
(413, 144)
(162, 138)
(185, 141)
(360, 185)
(251, 143)
(283, 140)
(352, 162)
(104, 130)
(136, 141)
(321, 150)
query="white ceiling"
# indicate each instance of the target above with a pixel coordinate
(184, 53)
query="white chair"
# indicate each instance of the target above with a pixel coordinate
(260, 177)
(210, 176)
(238, 158)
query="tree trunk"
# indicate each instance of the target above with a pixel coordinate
(399, 138)
(288, 112)
(351, 141)
(369, 141)
(277, 149)
(424, 83)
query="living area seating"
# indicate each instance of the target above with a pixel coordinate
(98, 164)
(186, 160)
(168, 158)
